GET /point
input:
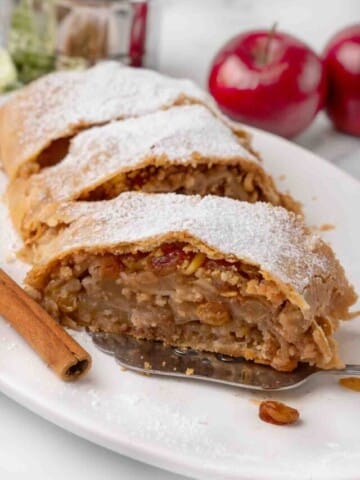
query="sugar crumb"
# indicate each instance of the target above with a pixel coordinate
(10, 257)
(11, 346)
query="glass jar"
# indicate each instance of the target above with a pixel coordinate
(96, 29)
(45, 35)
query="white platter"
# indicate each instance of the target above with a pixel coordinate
(206, 431)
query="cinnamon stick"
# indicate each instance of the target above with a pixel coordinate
(47, 337)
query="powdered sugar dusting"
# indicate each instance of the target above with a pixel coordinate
(59, 104)
(258, 233)
(180, 135)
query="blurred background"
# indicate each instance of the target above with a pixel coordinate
(184, 35)
(191, 31)
(177, 37)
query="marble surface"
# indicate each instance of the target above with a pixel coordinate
(187, 33)
(340, 149)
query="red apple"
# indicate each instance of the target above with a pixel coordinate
(342, 65)
(138, 33)
(270, 80)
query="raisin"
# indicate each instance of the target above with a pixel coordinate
(215, 264)
(278, 413)
(167, 263)
(171, 247)
(109, 268)
(213, 313)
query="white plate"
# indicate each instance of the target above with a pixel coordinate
(207, 431)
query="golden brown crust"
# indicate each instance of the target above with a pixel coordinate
(183, 148)
(61, 104)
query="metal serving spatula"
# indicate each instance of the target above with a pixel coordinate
(153, 357)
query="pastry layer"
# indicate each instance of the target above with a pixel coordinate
(38, 121)
(212, 273)
(183, 149)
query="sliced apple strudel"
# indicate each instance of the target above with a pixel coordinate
(183, 149)
(208, 272)
(36, 124)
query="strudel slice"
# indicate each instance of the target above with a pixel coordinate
(184, 149)
(36, 124)
(211, 273)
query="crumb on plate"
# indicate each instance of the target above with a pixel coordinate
(351, 383)
(326, 226)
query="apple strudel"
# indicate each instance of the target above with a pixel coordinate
(208, 272)
(184, 149)
(37, 123)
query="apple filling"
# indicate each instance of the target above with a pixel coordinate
(178, 295)
(224, 180)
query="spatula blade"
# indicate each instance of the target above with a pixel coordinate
(151, 357)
